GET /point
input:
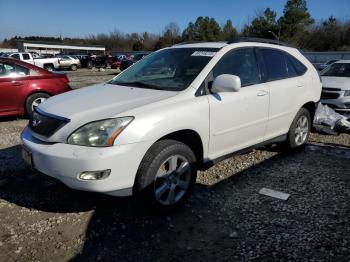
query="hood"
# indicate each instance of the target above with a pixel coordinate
(336, 82)
(101, 101)
(96, 102)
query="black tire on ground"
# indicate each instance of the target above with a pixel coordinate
(292, 142)
(144, 188)
(89, 65)
(74, 67)
(33, 98)
(49, 67)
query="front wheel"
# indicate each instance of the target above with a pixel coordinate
(300, 130)
(74, 67)
(35, 100)
(166, 175)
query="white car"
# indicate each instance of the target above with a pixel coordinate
(180, 109)
(49, 64)
(336, 86)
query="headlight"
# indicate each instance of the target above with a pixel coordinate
(347, 93)
(99, 133)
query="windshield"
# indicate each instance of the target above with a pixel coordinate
(337, 70)
(171, 69)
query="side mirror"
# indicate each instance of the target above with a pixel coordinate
(226, 83)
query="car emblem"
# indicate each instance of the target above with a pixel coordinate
(36, 122)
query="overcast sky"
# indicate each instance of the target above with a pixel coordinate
(79, 18)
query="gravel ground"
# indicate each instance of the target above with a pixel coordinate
(225, 220)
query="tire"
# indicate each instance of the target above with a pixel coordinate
(35, 100)
(74, 67)
(299, 131)
(89, 65)
(159, 188)
(49, 67)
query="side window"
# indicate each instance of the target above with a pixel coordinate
(7, 70)
(298, 66)
(26, 56)
(16, 56)
(242, 63)
(275, 64)
(22, 71)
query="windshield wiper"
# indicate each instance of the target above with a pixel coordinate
(137, 84)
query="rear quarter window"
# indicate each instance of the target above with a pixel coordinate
(299, 67)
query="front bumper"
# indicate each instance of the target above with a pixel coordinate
(65, 162)
(340, 104)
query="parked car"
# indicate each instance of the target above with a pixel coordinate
(148, 130)
(49, 64)
(24, 86)
(68, 62)
(336, 86)
(131, 60)
(85, 61)
(116, 64)
(324, 65)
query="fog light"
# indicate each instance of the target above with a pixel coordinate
(94, 175)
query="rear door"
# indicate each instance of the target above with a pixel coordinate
(13, 82)
(285, 88)
(238, 119)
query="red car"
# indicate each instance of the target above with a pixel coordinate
(116, 65)
(24, 86)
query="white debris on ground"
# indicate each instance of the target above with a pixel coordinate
(327, 117)
(274, 193)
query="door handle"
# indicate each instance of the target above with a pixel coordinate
(16, 83)
(262, 93)
(300, 84)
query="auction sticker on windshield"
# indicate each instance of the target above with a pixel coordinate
(203, 53)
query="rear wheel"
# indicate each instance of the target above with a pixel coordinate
(166, 176)
(34, 101)
(74, 67)
(300, 130)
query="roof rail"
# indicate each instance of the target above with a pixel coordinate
(258, 40)
(188, 42)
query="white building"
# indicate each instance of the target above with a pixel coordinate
(54, 48)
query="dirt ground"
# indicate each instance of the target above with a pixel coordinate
(225, 219)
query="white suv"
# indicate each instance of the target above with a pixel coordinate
(180, 109)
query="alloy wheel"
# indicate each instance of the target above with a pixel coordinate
(172, 180)
(301, 130)
(37, 102)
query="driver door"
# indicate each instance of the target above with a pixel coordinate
(238, 119)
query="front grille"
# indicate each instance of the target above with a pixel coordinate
(326, 95)
(331, 89)
(45, 124)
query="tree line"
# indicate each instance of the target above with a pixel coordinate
(295, 26)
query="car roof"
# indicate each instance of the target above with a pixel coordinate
(201, 45)
(250, 41)
(342, 62)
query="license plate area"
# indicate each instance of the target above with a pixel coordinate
(27, 156)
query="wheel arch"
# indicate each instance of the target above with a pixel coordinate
(190, 138)
(311, 107)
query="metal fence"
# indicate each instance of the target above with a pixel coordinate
(318, 58)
